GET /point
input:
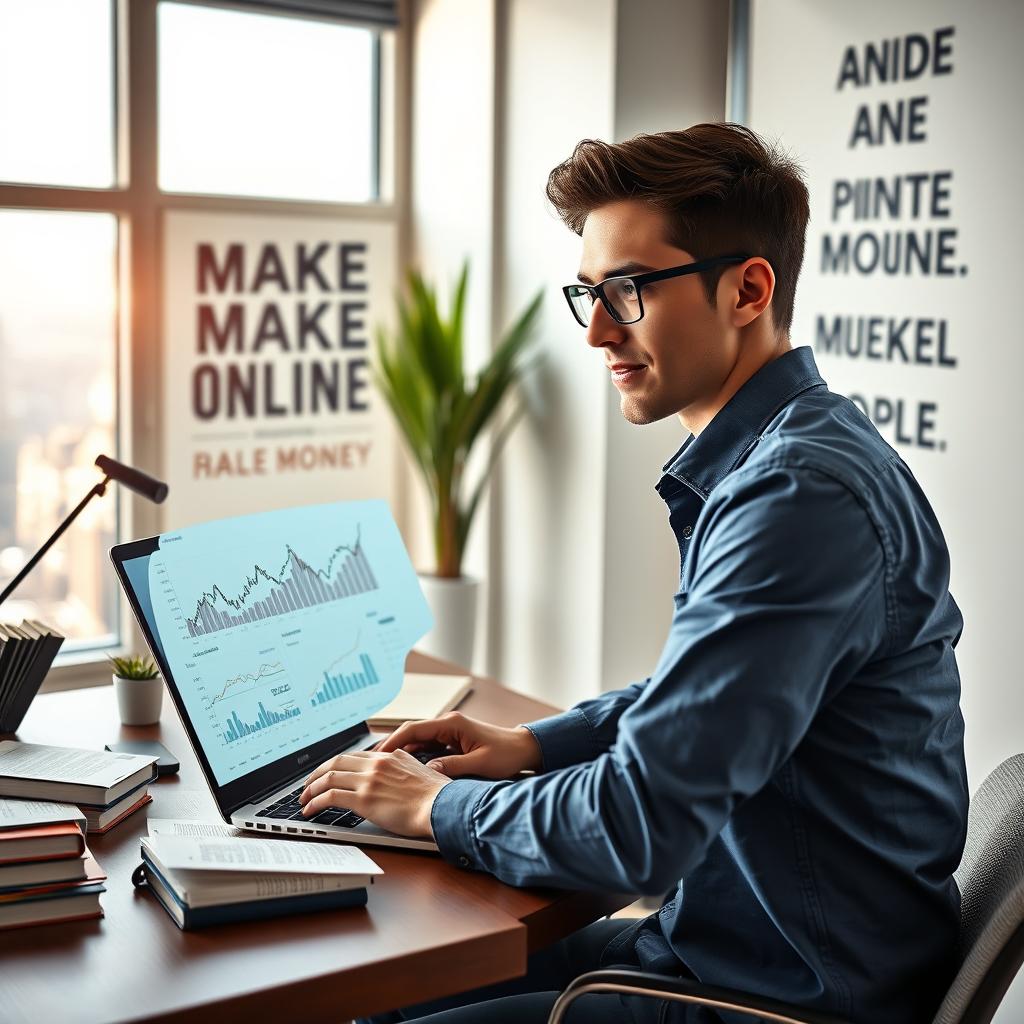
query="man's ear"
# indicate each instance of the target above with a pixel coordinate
(752, 285)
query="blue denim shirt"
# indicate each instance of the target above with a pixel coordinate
(793, 767)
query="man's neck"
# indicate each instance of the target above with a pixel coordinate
(752, 357)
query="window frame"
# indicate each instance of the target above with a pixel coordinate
(140, 207)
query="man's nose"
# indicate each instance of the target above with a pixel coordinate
(604, 329)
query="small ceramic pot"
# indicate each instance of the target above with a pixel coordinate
(139, 700)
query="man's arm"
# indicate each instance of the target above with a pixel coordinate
(787, 602)
(586, 730)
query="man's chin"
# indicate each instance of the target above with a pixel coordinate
(636, 412)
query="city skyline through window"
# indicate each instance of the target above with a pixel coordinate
(57, 413)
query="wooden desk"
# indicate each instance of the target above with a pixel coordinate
(430, 929)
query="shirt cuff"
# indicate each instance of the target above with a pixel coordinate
(451, 820)
(565, 739)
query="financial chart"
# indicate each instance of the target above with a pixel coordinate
(285, 627)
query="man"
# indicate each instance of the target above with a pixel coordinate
(793, 767)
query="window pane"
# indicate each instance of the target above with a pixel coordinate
(57, 92)
(57, 413)
(263, 105)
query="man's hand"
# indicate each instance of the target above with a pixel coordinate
(392, 790)
(477, 748)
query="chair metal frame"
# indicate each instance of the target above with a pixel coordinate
(684, 990)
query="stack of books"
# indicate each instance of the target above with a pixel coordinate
(26, 654)
(203, 875)
(106, 786)
(46, 871)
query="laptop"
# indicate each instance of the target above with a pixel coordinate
(278, 635)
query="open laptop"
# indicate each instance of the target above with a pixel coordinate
(278, 635)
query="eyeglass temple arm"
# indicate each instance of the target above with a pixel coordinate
(660, 275)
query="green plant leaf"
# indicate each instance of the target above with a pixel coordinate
(419, 372)
(501, 372)
(497, 444)
(134, 666)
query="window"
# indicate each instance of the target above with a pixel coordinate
(241, 94)
(242, 112)
(57, 92)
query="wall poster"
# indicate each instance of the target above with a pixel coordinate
(268, 327)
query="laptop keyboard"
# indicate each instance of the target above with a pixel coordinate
(288, 807)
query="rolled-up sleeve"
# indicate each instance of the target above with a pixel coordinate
(787, 601)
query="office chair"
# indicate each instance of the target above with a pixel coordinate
(991, 881)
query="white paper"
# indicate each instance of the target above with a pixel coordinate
(179, 827)
(264, 856)
(23, 813)
(68, 764)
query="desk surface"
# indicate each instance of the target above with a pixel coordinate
(429, 929)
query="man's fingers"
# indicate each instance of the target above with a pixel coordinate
(454, 765)
(340, 798)
(339, 762)
(331, 780)
(432, 729)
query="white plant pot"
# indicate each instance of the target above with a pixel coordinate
(139, 700)
(453, 603)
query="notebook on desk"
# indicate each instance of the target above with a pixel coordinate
(279, 635)
(423, 695)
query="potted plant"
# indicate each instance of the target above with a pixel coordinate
(442, 414)
(139, 689)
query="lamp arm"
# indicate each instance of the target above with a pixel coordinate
(98, 491)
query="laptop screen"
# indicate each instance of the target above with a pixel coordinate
(277, 630)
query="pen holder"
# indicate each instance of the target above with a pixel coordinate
(26, 654)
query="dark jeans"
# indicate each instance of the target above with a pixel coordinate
(528, 1000)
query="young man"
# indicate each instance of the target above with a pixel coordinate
(793, 767)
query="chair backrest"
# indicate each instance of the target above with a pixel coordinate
(991, 880)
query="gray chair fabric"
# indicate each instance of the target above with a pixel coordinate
(991, 880)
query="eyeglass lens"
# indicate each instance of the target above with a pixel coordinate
(621, 295)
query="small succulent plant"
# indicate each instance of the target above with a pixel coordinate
(134, 667)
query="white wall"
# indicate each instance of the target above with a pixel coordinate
(666, 79)
(558, 87)
(586, 564)
(574, 545)
(453, 214)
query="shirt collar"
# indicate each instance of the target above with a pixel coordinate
(706, 459)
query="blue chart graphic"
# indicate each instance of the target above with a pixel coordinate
(297, 585)
(339, 685)
(237, 728)
(285, 628)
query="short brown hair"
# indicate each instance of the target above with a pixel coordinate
(724, 189)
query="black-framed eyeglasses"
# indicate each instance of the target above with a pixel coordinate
(622, 296)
